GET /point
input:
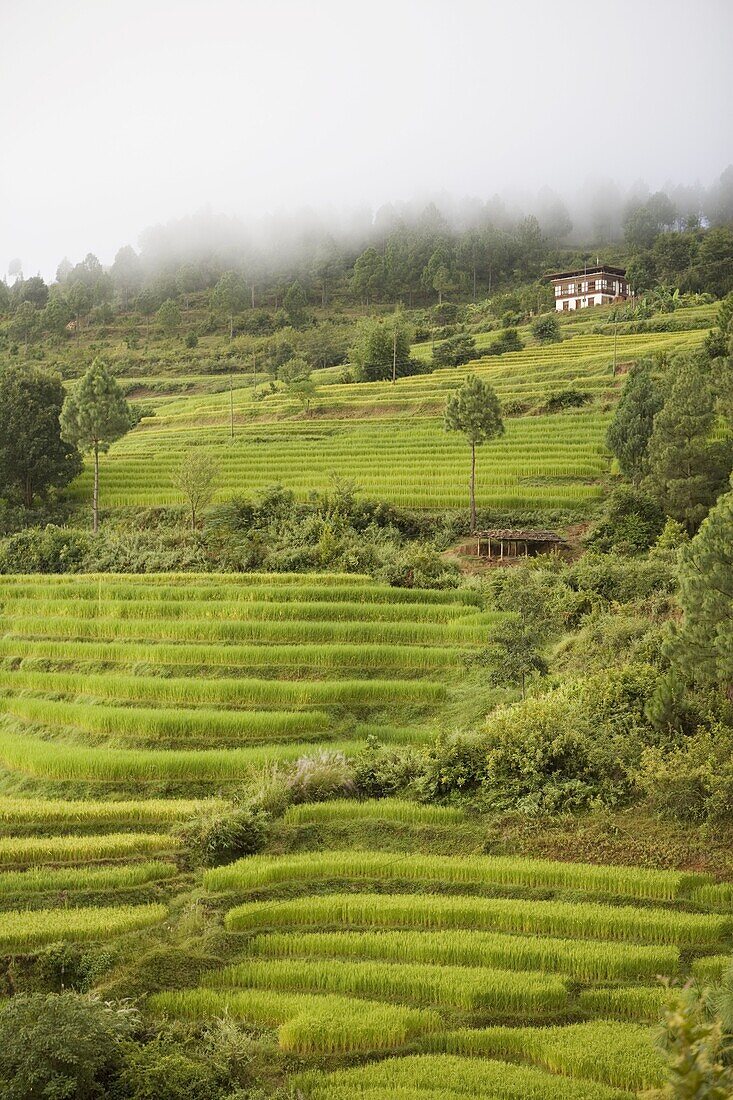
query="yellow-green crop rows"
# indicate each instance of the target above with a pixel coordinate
(132, 706)
(543, 975)
(389, 438)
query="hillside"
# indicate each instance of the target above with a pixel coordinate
(547, 462)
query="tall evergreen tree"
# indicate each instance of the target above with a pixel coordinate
(687, 468)
(702, 647)
(93, 416)
(475, 411)
(630, 430)
(33, 456)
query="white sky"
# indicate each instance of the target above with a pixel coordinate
(117, 114)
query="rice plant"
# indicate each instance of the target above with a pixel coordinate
(583, 920)
(626, 1002)
(307, 1023)
(24, 930)
(581, 960)
(154, 811)
(449, 1076)
(44, 880)
(710, 968)
(474, 871)
(715, 896)
(496, 992)
(376, 809)
(614, 1053)
(32, 850)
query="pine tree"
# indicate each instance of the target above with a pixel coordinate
(702, 647)
(629, 433)
(94, 415)
(687, 468)
(474, 409)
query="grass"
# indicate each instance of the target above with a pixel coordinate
(495, 992)
(31, 850)
(135, 723)
(583, 920)
(196, 691)
(626, 1003)
(56, 812)
(377, 809)
(45, 880)
(307, 1024)
(50, 760)
(25, 930)
(614, 1053)
(357, 866)
(581, 960)
(450, 1077)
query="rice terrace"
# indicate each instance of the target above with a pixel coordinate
(366, 560)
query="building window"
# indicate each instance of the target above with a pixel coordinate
(558, 291)
(571, 288)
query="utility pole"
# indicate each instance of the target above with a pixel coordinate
(394, 355)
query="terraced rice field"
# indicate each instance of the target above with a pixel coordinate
(194, 679)
(512, 977)
(389, 439)
(132, 705)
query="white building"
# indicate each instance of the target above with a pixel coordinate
(590, 286)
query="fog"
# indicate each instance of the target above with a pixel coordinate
(119, 116)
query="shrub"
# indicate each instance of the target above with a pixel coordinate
(157, 1072)
(692, 782)
(60, 1045)
(455, 352)
(566, 399)
(508, 341)
(47, 549)
(226, 836)
(384, 770)
(546, 329)
(453, 767)
(630, 523)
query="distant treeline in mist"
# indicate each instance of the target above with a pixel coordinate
(681, 237)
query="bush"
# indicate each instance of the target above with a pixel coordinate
(226, 837)
(61, 1045)
(630, 523)
(546, 329)
(692, 782)
(543, 757)
(382, 771)
(455, 352)
(566, 399)
(321, 777)
(47, 549)
(508, 341)
(453, 767)
(420, 567)
(157, 1072)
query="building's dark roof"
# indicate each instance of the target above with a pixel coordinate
(598, 269)
(520, 536)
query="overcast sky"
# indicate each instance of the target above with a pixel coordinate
(117, 115)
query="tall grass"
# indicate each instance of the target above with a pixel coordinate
(307, 1024)
(288, 632)
(44, 880)
(305, 658)
(78, 849)
(583, 920)
(154, 811)
(50, 760)
(450, 1076)
(196, 691)
(581, 960)
(626, 1002)
(497, 992)
(171, 725)
(473, 871)
(24, 930)
(619, 1054)
(376, 809)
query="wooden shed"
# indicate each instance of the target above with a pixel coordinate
(501, 544)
